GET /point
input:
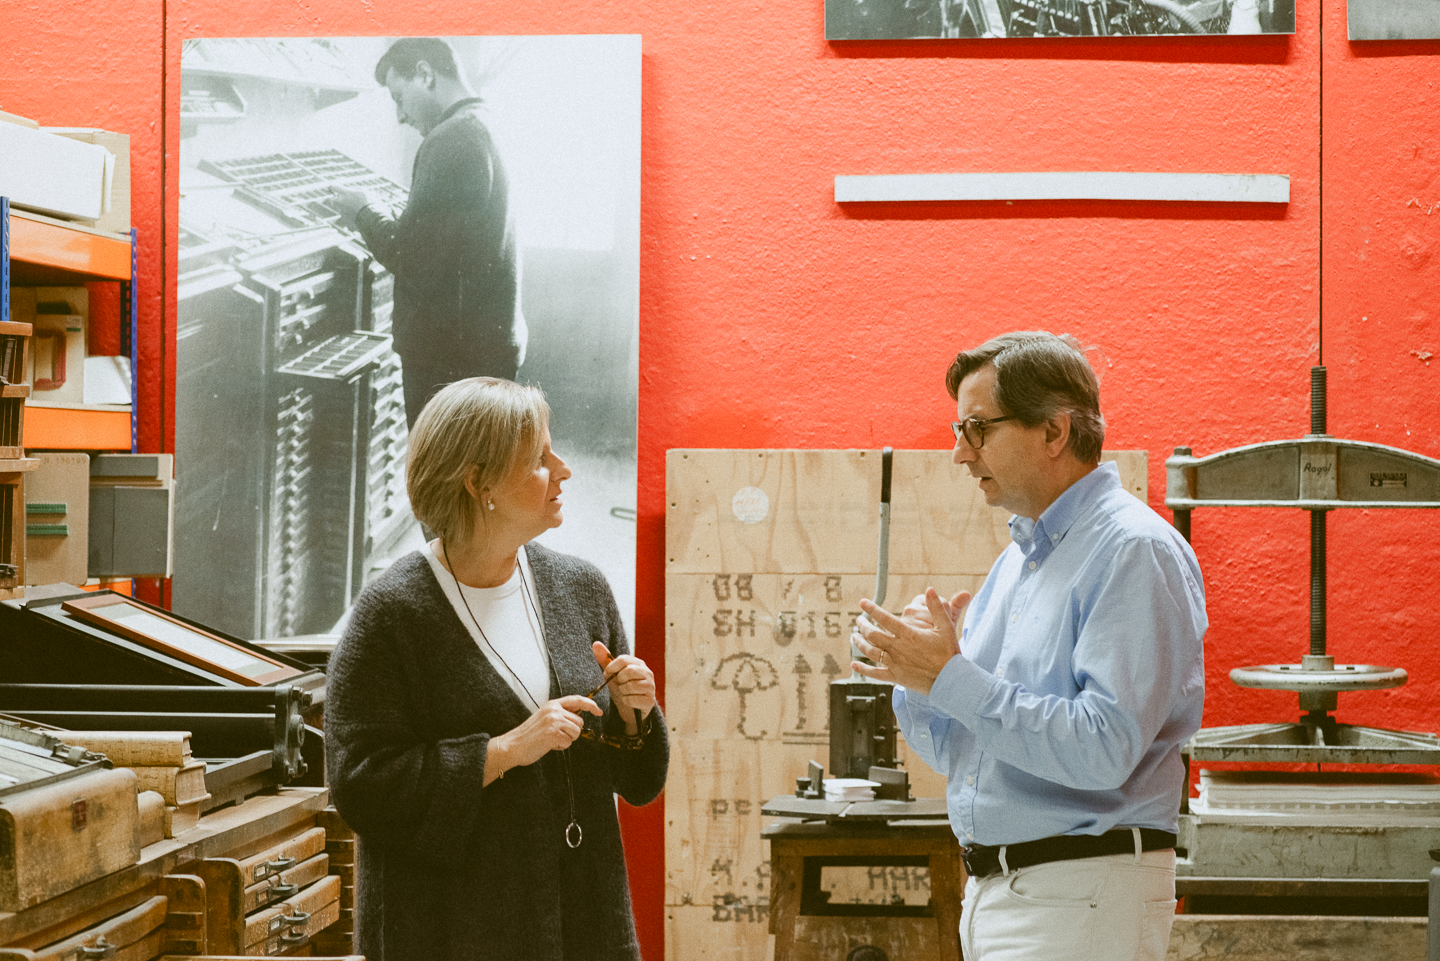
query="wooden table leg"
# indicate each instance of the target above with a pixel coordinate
(787, 873)
(947, 890)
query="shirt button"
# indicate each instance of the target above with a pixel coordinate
(1014, 618)
(969, 836)
(924, 737)
(1000, 672)
(970, 780)
(1032, 565)
(1054, 537)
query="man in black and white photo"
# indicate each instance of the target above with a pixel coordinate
(452, 248)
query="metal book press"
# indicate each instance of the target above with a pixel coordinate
(1294, 851)
(894, 831)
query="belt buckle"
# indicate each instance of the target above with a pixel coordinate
(977, 866)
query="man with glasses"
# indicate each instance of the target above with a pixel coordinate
(1058, 711)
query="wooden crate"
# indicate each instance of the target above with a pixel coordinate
(768, 555)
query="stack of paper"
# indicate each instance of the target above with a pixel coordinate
(1340, 798)
(850, 789)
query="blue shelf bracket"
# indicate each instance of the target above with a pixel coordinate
(4, 259)
(129, 339)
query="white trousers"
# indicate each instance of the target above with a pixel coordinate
(1118, 907)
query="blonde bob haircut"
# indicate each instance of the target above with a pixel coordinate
(481, 424)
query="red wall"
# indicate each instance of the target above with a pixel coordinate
(771, 317)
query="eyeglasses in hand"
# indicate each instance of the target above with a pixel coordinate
(594, 732)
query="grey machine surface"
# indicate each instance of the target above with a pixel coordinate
(1332, 842)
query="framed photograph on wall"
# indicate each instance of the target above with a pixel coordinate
(308, 338)
(998, 19)
(1393, 19)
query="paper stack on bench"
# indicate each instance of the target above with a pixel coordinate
(850, 789)
(162, 762)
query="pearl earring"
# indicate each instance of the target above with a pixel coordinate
(491, 505)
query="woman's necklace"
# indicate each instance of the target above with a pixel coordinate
(574, 836)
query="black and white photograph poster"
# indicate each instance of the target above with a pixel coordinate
(998, 19)
(321, 253)
(1393, 19)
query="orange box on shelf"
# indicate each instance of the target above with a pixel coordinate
(122, 585)
(76, 428)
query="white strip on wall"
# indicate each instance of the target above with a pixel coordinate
(1082, 185)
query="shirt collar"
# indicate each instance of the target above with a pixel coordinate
(1059, 516)
(457, 106)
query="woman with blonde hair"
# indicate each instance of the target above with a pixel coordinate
(483, 710)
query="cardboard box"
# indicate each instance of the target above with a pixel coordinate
(116, 217)
(54, 175)
(132, 515)
(60, 316)
(57, 520)
(16, 119)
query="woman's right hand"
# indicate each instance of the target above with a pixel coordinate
(554, 727)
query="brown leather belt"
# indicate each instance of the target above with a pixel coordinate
(981, 861)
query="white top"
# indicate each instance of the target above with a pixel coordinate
(513, 633)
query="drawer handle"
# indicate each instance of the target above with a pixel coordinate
(279, 892)
(264, 870)
(294, 939)
(101, 949)
(297, 920)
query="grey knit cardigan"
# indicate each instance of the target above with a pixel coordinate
(448, 869)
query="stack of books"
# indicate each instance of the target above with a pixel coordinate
(845, 789)
(163, 763)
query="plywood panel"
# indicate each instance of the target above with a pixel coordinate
(784, 511)
(749, 655)
(770, 553)
(720, 932)
(802, 511)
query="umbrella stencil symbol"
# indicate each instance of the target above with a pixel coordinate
(745, 674)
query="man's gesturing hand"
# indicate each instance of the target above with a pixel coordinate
(910, 651)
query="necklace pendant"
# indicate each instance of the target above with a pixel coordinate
(573, 835)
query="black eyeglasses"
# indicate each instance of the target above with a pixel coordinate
(973, 429)
(594, 732)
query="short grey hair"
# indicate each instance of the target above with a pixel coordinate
(484, 424)
(1038, 376)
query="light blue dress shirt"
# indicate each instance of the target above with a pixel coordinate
(1081, 673)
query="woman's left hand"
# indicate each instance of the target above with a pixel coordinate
(632, 685)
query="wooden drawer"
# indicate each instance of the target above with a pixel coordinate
(135, 935)
(281, 857)
(278, 887)
(179, 900)
(237, 888)
(290, 924)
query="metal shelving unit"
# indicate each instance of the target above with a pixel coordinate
(36, 250)
(40, 251)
